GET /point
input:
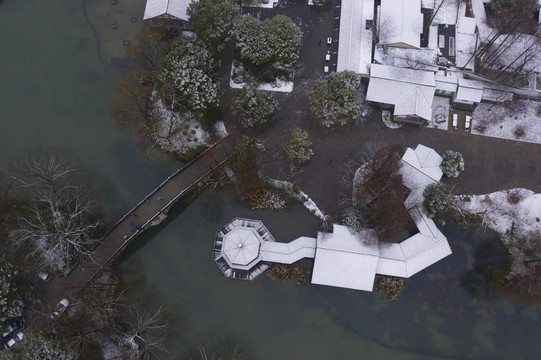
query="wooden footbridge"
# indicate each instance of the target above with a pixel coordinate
(149, 212)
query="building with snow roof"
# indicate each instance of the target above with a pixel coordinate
(344, 258)
(410, 92)
(400, 23)
(355, 37)
(169, 12)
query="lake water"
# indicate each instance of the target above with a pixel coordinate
(54, 91)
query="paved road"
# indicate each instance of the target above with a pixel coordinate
(491, 164)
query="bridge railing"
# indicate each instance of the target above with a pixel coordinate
(161, 211)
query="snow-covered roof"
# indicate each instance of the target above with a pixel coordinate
(288, 253)
(469, 90)
(241, 246)
(446, 83)
(447, 12)
(410, 91)
(401, 22)
(176, 8)
(343, 260)
(355, 41)
(429, 245)
(426, 161)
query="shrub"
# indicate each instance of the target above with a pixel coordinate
(194, 152)
(437, 202)
(452, 163)
(297, 148)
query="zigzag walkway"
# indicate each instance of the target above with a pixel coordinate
(149, 212)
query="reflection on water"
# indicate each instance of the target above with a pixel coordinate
(434, 316)
(55, 90)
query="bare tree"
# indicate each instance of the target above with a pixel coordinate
(143, 337)
(57, 225)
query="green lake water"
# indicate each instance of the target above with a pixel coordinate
(54, 91)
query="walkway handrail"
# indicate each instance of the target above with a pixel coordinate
(162, 184)
(170, 203)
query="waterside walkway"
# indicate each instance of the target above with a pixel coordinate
(149, 212)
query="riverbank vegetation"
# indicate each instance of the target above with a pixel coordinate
(170, 98)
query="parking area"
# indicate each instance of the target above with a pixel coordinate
(317, 23)
(457, 120)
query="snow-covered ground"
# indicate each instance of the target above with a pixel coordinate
(516, 121)
(176, 132)
(440, 113)
(280, 86)
(515, 214)
(301, 196)
(268, 5)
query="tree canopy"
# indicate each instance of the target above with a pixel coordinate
(190, 67)
(337, 100)
(297, 148)
(452, 163)
(212, 21)
(252, 107)
(275, 41)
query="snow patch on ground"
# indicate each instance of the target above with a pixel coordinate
(386, 117)
(220, 129)
(440, 113)
(280, 86)
(516, 121)
(269, 5)
(301, 196)
(176, 132)
(515, 214)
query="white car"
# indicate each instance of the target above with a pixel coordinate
(467, 123)
(15, 339)
(60, 308)
(327, 57)
(329, 40)
(455, 121)
(45, 276)
(325, 69)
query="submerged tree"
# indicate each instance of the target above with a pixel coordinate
(252, 107)
(337, 100)
(143, 332)
(297, 148)
(247, 161)
(212, 21)
(57, 225)
(452, 163)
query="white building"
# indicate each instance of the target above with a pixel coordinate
(400, 23)
(409, 91)
(244, 248)
(355, 39)
(167, 10)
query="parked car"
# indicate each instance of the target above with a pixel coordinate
(329, 40)
(468, 123)
(60, 308)
(18, 337)
(14, 325)
(327, 57)
(45, 276)
(455, 121)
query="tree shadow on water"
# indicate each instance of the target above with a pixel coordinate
(491, 262)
